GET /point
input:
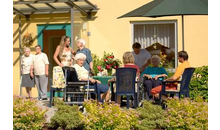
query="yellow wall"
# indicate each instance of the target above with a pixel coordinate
(114, 35)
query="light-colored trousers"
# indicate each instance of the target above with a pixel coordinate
(41, 82)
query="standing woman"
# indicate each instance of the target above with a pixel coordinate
(27, 80)
(64, 51)
(40, 67)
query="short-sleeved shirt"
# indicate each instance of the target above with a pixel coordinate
(87, 52)
(26, 62)
(141, 58)
(180, 69)
(154, 70)
(39, 62)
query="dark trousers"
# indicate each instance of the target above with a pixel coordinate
(149, 84)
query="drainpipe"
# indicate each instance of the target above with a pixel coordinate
(72, 24)
(19, 28)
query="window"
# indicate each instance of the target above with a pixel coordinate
(158, 39)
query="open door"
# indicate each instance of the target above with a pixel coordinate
(51, 39)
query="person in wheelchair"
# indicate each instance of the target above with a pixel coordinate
(83, 76)
(153, 75)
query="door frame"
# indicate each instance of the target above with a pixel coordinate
(41, 27)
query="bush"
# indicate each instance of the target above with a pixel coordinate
(199, 83)
(108, 117)
(66, 117)
(27, 115)
(151, 116)
(187, 114)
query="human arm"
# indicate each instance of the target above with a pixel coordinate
(110, 80)
(46, 62)
(73, 54)
(177, 74)
(89, 59)
(31, 71)
(145, 65)
(47, 69)
(55, 56)
(91, 66)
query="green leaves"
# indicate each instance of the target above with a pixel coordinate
(108, 116)
(199, 83)
(187, 114)
(27, 115)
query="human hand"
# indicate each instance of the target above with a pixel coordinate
(99, 82)
(46, 73)
(32, 75)
(156, 77)
(61, 65)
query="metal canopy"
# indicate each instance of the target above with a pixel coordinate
(28, 7)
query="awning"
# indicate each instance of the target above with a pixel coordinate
(28, 7)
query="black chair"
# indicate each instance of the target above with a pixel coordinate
(52, 92)
(125, 84)
(184, 85)
(76, 89)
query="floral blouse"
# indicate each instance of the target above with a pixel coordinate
(66, 58)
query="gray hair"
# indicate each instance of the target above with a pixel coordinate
(155, 57)
(27, 49)
(80, 56)
(82, 41)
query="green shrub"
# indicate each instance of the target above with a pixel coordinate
(108, 117)
(151, 116)
(66, 117)
(187, 114)
(27, 115)
(199, 83)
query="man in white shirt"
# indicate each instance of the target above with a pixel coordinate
(142, 57)
(40, 65)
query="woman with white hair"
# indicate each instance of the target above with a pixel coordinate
(27, 80)
(83, 76)
(88, 64)
(154, 75)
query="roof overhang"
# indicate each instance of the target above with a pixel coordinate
(28, 7)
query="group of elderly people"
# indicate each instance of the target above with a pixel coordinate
(35, 68)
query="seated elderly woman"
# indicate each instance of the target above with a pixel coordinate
(154, 75)
(83, 76)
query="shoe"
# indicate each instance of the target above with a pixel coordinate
(44, 99)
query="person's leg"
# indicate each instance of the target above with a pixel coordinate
(106, 96)
(119, 100)
(104, 89)
(148, 86)
(43, 85)
(157, 89)
(37, 82)
(27, 91)
(30, 92)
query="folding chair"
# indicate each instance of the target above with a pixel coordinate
(184, 85)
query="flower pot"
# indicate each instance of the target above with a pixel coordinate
(109, 72)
